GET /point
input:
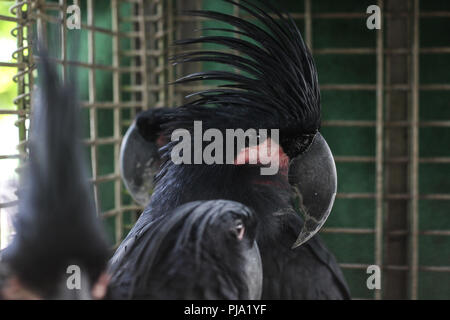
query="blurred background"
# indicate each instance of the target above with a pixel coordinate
(385, 101)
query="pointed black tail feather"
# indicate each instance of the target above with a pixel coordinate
(274, 71)
(56, 225)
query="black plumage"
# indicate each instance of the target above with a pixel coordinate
(56, 224)
(276, 87)
(198, 251)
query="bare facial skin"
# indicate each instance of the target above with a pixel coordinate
(101, 287)
(15, 290)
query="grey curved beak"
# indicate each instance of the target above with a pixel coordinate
(139, 162)
(253, 271)
(313, 173)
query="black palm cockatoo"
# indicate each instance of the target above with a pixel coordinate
(201, 250)
(57, 230)
(274, 85)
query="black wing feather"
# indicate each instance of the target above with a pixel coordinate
(56, 224)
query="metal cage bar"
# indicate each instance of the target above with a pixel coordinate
(117, 121)
(414, 218)
(379, 150)
(92, 97)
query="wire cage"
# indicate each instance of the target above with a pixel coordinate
(385, 107)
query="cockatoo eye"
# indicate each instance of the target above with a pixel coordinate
(239, 229)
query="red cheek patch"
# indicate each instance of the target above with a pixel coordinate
(161, 141)
(266, 153)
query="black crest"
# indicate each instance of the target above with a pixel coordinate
(274, 83)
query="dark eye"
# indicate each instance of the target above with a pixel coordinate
(304, 142)
(239, 229)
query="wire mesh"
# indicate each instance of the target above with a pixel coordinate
(23, 63)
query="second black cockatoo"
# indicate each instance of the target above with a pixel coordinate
(274, 86)
(201, 250)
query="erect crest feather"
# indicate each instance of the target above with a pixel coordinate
(274, 79)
